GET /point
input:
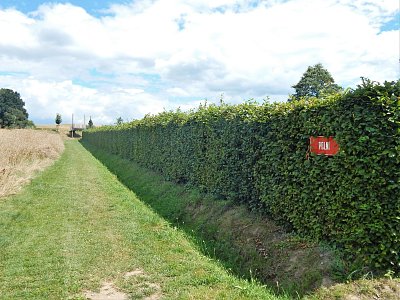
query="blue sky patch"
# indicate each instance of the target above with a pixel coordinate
(78, 81)
(155, 82)
(11, 73)
(393, 24)
(150, 77)
(95, 73)
(181, 22)
(94, 8)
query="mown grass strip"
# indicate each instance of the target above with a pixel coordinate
(76, 226)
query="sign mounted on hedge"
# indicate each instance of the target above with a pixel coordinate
(323, 145)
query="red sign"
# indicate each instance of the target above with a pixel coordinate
(323, 145)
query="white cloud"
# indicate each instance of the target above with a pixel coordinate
(149, 55)
(20, 34)
(44, 99)
(175, 91)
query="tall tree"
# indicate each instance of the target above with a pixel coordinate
(119, 121)
(90, 124)
(12, 111)
(315, 82)
(58, 119)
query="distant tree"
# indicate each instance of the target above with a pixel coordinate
(58, 119)
(119, 121)
(12, 111)
(90, 124)
(315, 82)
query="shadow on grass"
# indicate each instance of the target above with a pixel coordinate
(75, 135)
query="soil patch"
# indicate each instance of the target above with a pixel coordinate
(144, 288)
(107, 292)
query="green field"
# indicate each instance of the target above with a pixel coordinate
(76, 231)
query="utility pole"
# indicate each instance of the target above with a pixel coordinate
(72, 127)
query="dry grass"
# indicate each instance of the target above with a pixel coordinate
(23, 153)
(385, 289)
(63, 129)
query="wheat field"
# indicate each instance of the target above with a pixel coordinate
(24, 152)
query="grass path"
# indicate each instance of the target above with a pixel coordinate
(75, 227)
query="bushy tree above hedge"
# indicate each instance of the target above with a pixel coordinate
(315, 82)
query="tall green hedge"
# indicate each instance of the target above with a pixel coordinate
(258, 154)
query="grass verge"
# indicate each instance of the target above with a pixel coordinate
(76, 231)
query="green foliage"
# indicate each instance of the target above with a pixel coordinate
(58, 119)
(315, 82)
(12, 111)
(256, 154)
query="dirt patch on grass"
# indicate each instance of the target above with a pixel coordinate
(107, 292)
(144, 288)
(24, 152)
(136, 272)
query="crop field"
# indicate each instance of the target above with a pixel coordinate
(23, 153)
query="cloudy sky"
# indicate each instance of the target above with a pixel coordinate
(111, 58)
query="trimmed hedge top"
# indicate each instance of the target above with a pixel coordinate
(259, 155)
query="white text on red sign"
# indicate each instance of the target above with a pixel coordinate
(324, 145)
